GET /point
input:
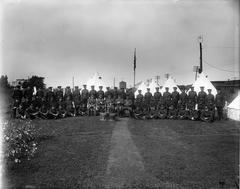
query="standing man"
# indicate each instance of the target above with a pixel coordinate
(147, 99)
(139, 100)
(107, 93)
(192, 99)
(115, 93)
(77, 99)
(167, 98)
(157, 96)
(183, 98)
(85, 96)
(201, 99)
(210, 100)
(100, 93)
(175, 97)
(219, 103)
(28, 93)
(93, 92)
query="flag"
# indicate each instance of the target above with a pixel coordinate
(134, 64)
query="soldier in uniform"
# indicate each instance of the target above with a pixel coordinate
(28, 93)
(100, 93)
(32, 111)
(192, 99)
(175, 97)
(53, 112)
(70, 107)
(115, 93)
(91, 106)
(201, 99)
(219, 103)
(207, 115)
(172, 112)
(59, 93)
(183, 98)
(93, 92)
(43, 111)
(62, 113)
(153, 108)
(50, 97)
(147, 99)
(68, 93)
(119, 105)
(162, 111)
(157, 95)
(182, 112)
(167, 97)
(40, 97)
(210, 100)
(131, 96)
(127, 108)
(108, 92)
(77, 99)
(85, 96)
(139, 100)
(17, 99)
(122, 93)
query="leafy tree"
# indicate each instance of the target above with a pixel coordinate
(4, 82)
(36, 81)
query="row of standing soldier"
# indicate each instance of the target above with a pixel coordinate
(81, 100)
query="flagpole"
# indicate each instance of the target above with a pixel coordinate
(134, 68)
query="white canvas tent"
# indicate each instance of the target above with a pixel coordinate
(142, 87)
(153, 86)
(202, 80)
(234, 109)
(97, 81)
(170, 83)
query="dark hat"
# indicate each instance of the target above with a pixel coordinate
(201, 87)
(156, 87)
(139, 90)
(115, 87)
(209, 89)
(84, 85)
(175, 87)
(100, 86)
(76, 86)
(59, 87)
(166, 87)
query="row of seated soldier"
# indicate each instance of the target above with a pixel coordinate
(53, 104)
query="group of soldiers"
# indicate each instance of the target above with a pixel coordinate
(53, 104)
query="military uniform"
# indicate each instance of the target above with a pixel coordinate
(172, 112)
(115, 93)
(157, 95)
(28, 93)
(162, 112)
(210, 102)
(68, 93)
(147, 99)
(183, 98)
(192, 100)
(85, 96)
(167, 98)
(59, 93)
(127, 108)
(175, 98)
(201, 99)
(40, 97)
(182, 112)
(100, 94)
(77, 99)
(207, 115)
(139, 101)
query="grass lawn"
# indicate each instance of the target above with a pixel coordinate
(191, 154)
(73, 153)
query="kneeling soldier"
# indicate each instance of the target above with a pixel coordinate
(32, 112)
(91, 106)
(62, 112)
(127, 107)
(43, 112)
(182, 112)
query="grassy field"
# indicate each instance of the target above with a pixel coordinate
(73, 153)
(191, 154)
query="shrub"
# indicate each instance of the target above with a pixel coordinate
(19, 140)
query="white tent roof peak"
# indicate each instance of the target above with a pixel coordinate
(96, 81)
(235, 104)
(170, 83)
(203, 81)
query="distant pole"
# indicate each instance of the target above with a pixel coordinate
(134, 68)
(200, 40)
(157, 77)
(73, 82)
(114, 82)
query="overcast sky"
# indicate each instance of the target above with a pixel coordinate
(59, 40)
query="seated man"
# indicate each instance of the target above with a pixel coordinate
(100, 106)
(137, 114)
(119, 105)
(52, 113)
(153, 109)
(21, 113)
(43, 112)
(162, 112)
(70, 107)
(172, 112)
(62, 112)
(207, 115)
(32, 112)
(127, 107)
(182, 112)
(91, 106)
(193, 114)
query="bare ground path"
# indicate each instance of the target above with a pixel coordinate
(125, 167)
